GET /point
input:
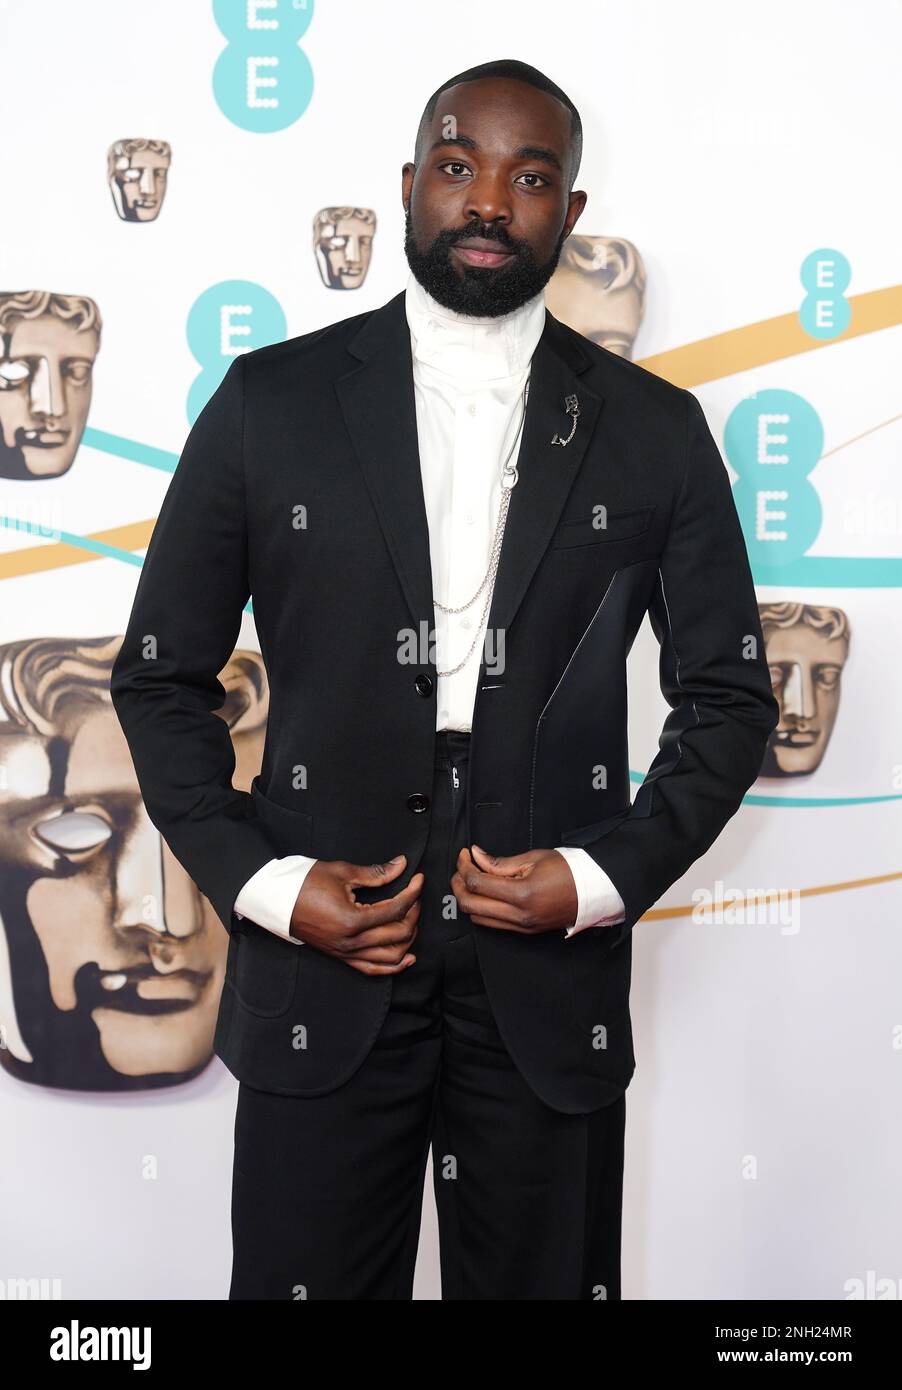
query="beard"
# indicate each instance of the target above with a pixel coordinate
(483, 291)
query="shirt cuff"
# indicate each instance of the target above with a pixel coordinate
(599, 903)
(270, 894)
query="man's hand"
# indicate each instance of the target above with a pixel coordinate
(532, 892)
(370, 937)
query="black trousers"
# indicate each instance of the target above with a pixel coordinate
(327, 1190)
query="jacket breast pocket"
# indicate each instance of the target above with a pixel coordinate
(618, 526)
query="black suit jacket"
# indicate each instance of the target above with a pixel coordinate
(326, 422)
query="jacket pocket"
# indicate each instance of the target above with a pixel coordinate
(263, 969)
(620, 526)
(291, 831)
(599, 983)
(585, 834)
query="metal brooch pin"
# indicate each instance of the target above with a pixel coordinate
(571, 406)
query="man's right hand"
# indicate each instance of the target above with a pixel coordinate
(370, 937)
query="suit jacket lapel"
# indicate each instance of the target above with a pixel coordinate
(379, 407)
(546, 470)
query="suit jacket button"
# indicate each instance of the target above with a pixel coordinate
(418, 801)
(423, 685)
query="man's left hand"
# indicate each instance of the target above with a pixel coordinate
(529, 893)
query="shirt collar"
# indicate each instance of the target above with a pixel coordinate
(468, 347)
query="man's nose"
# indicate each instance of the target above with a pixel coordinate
(488, 200)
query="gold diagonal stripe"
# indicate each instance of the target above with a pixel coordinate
(37, 559)
(771, 340)
(660, 914)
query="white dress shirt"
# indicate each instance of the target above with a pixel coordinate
(469, 374)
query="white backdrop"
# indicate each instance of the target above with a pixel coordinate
(726, 142)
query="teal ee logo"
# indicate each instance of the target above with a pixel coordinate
(773, 440)
(262, 81)
(227, 319)
(825, 312)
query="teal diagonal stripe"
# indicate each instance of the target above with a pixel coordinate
(130, 449)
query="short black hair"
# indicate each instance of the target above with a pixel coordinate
(519, 72)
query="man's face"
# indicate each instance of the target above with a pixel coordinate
(805, 668)
(45, 391)
(487, 206)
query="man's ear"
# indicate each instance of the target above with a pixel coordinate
(408, 172)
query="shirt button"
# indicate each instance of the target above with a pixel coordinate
(465, 622)
(472, 409)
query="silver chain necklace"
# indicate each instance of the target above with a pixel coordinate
(509, 476)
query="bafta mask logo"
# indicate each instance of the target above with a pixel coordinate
(111, 960)
(807, 647)
(343, 245)
(598, 289)
(48, 343)
(137, 171)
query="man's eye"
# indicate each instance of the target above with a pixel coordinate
(456, 166)
(532, 176)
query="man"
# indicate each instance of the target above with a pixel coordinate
(455, 966)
